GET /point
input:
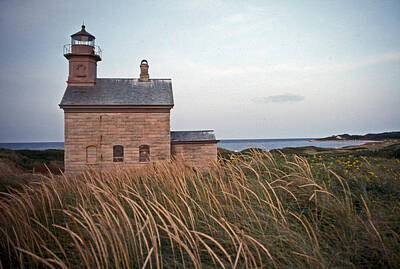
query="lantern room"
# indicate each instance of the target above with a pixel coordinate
(82, 38)
(82, 42)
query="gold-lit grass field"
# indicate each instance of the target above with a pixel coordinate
(253, 210)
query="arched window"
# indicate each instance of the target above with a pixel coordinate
(144, 153)
(118, 153)
(91, 152)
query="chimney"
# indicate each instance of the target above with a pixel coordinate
(144, 71)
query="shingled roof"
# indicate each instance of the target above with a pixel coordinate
(193, 136)
(120, 91)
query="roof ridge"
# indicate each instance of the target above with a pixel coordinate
(196, 131)
(138, 78)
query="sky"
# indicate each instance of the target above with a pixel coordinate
(246, 69)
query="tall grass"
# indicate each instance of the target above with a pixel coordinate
(252, 211)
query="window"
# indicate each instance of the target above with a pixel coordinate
(91, 152)
(118, 153)
(144, 153)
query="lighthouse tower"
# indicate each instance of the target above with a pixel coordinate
(83, 56)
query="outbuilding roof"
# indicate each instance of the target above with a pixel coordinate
(120, 91)
(193, 136)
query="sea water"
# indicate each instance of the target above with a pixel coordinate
(268, 144)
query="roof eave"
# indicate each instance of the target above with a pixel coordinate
(115, 108)
(110, 106)
(195, 142)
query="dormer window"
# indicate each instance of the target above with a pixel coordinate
(118, 153)
(144, 153)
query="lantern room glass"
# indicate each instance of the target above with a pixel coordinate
(82, 40)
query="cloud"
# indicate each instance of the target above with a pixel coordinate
(302, 69)
(249, 18)
(280, 98)
(235, 18)
(317, 68)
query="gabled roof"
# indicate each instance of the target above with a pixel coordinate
(120, 91)
(193, 136)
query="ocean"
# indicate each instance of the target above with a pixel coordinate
(231, 144)
(33, 145)
(268, 144)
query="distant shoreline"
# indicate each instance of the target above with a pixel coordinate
(361, 138)
(346, 140)
(237, 145)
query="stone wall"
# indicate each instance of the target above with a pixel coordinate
(196, 154)
(105, 130)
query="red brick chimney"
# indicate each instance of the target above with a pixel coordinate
(83, 56)
(144, 71)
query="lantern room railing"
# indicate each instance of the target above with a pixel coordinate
(68, 50)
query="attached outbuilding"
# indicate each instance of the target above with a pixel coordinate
(197, 148)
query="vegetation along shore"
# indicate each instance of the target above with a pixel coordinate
(366, 138)
(296, 207)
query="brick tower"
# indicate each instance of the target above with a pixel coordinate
(83, 56)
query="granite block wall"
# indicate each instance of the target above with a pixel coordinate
(103, 130)
(195, 154)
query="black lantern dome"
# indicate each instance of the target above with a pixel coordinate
(82, 38)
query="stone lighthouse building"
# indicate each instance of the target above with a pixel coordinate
(122, 121)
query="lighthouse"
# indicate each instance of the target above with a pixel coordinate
(83, 56)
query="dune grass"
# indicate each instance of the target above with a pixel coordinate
(253, 210)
